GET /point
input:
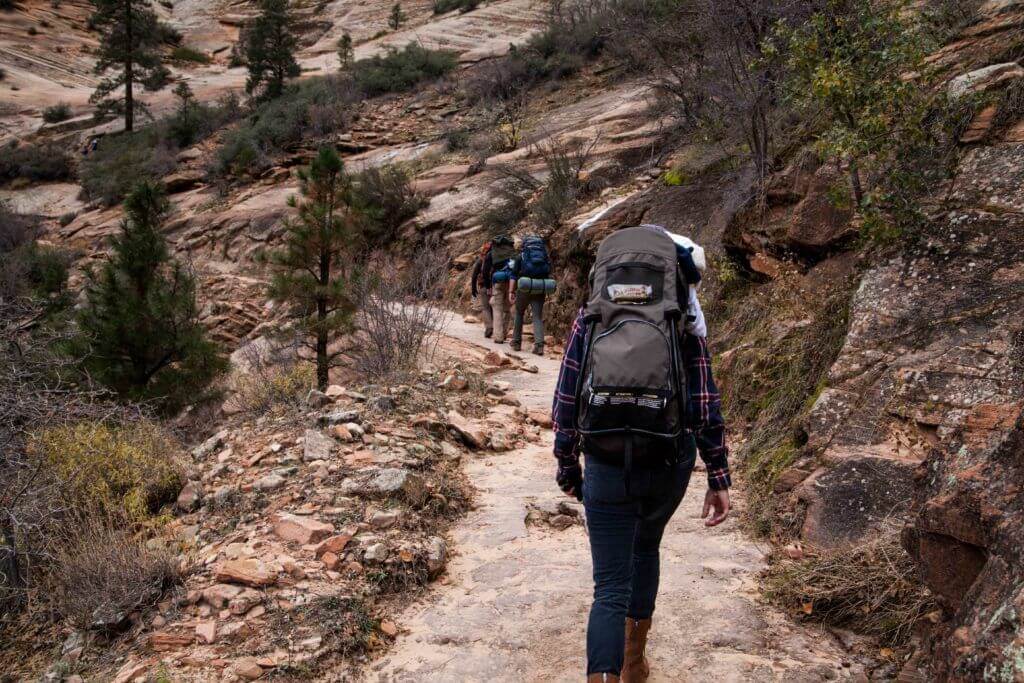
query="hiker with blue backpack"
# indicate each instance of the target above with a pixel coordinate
(636, 397)
(531, 283)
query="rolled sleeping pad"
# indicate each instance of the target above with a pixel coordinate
(535, 285)
(503, 275)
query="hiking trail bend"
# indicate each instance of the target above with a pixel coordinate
(514, 601)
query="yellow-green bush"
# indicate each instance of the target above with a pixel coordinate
(130, 468)
(283, 386)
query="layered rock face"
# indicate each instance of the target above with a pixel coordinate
(967, 387)
(920, 422)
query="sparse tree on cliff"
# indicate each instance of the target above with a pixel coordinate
(850, 63)
(315, 270)
(270, 50)
(140, 333)
(129, 47)
(346, 53)
(397, 17)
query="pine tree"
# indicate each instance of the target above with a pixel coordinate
(129, 45)
(397, 17)
(184, 125)
(270, 51)
(315, 269)
(139, 326)
(346, 53)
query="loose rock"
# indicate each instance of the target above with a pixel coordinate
(301, 529)
(317, 446)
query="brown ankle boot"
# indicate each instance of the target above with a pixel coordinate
(635, 668)
(602, 678)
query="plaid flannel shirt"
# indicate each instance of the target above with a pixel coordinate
(708, 427)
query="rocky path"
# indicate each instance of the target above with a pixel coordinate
(513, 604)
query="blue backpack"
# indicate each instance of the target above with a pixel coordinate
(534, 262)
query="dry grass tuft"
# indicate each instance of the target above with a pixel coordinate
(344, 623)
(100, 574)
(268, 387)
(871, 588)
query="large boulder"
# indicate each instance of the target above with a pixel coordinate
(847, 502)
(390, 482)
(470, 432)
(798, 215)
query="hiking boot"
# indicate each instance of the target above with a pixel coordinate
(538, 350)
(635, 668)
(499, 341)
(488, 332)
(515, 346)
(602, 678)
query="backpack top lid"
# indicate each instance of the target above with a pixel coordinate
(635, 276)
(534, 261)
(502, 250)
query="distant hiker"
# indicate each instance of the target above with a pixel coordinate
(531, 282)
(635, 394)
(480, 285)
(499, 273)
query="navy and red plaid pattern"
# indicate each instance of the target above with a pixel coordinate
(708, 426)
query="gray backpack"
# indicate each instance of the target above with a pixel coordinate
(631, 396)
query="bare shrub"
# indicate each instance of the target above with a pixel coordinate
(69, 475)
(273, 376)
(16, 231)
(35, 390)
(548, 197)
(35, 161)
(708, 59)
(400, 318)
(503, 86)
(99, 574)
(871, 587)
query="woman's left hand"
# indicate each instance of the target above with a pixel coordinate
(717, 501)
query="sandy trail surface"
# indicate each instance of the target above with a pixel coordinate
(514, 602)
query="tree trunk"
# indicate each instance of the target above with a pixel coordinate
(129, 100)
(322, 365)
(858, 191)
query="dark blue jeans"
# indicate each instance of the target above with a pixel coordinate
(625, 533)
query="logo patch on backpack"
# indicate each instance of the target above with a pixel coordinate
(630, 294)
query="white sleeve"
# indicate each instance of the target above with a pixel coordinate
(697, 327)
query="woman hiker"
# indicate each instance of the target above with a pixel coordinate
(480, 286)
(627, 501)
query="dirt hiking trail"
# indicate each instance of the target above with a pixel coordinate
(514, 602)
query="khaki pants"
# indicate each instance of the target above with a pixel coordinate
(484, 300)
(499, 307)
(536, 305)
